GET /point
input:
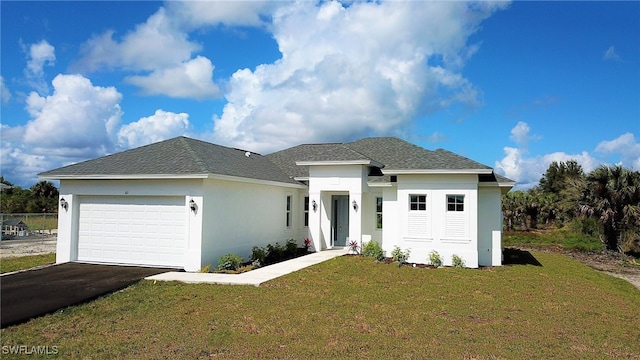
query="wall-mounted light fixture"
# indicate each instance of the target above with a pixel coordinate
(64, 204)
(314, 205)
(355, 205)
(192, 205)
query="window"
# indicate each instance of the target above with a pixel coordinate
(455, 202)
(378, 213)
(306, 211)
(288, 211)
(418, 202)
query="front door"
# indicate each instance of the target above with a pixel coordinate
(340, 219)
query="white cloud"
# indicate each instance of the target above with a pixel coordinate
(39, 55)
(157, 127)
(520, 134)
(192, 79)
(344, 73)
(156, 44)
(611, 54)
(626, 147)
(78, 119)
(194, 14)
(527, 169)
(160, 54)
(5, 94)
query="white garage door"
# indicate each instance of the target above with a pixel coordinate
(132, 230)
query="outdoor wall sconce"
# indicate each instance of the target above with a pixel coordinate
(64, 204)
(192, 205)
(355, 205)
(314, 205)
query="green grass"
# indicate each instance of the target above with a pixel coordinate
(25, 262)
(352, 307)
(567, 239)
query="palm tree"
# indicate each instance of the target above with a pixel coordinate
(44, 197)
(613, 197)
(44, 189)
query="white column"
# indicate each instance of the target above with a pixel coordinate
(66, 247)
(355, 217)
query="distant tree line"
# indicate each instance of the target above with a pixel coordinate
(603, 203)
(40, 198)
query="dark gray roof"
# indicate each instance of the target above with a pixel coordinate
(177, 156)
(391, 152)
(184, 156)
(286, 159)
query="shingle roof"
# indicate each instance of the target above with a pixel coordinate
(177, 156)
(184, 156)
(286, 159)
(391, 152)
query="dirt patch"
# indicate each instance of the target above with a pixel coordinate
(15, 248)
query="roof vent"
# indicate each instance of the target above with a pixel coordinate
(247, 154)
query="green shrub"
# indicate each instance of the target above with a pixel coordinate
(457, 261)
(435, 259)
(206, 269)
(374, 250)
(229, 262)
(275, 253)
(258, 256)
(399, 256)
(586, 226)
(291, 248)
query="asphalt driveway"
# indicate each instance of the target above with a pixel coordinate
(32, 293)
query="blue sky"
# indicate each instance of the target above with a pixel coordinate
(512, 85)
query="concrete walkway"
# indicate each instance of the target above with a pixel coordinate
(253, 277)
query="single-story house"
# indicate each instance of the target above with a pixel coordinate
(14, 227)
(183, 202)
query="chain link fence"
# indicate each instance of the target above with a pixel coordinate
(28, 226)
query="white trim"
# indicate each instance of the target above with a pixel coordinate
(435, 171)
(337, 162)
(124, 177)
(174, 176)
(381, 184)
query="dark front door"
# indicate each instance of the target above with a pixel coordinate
(340, 219)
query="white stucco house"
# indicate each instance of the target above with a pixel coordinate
(183, 202)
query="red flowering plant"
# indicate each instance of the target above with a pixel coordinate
(307, 243)
(354, 246)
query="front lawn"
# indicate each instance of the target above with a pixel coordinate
(352, 307)
(25, 262)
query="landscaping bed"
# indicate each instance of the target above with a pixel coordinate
(260, 256)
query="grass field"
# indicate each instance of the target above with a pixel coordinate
(567, 239)
(25, 262)
(352, 307)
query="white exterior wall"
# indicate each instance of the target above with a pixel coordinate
(489, 226)
(230, 216)
(391, 234)
(369, 231)
(237, 216)
(435, 229)
(73, 192)
(325, 181)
